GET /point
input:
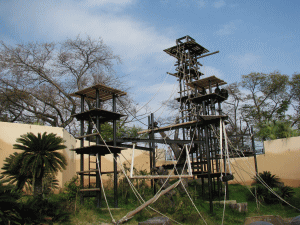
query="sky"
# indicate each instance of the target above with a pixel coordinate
(252, 36)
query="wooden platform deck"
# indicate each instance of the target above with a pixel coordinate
(204, 119)
(98, 149)
(103, 115)
(105, 92)
(204, 83)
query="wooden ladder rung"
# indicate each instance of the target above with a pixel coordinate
(95, 170)
(87, 135)
(161, 176)
(91, 189)
(87, 171)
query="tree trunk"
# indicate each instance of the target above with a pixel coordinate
(38, 186)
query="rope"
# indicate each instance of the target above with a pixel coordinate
(263, 182)
(182, 173)
(156, 91)
(113, 220)
(123, 170)
(224, 206)
(131, 113)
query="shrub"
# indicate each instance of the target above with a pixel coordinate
(265, 194)
(9, 206)
(37, 210)
(271, 180)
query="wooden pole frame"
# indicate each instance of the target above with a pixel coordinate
(189, 175)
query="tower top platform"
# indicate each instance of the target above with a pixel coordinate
(183, 44)
(205, 82)
(105, 92)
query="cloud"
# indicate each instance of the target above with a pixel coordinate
(201, 3)
(228, 28)
(49, 21)
(219, 4)
(211, 71)
(247, 62)
(106, 2)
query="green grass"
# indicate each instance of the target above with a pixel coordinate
(182, 210)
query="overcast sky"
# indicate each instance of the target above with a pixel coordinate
(252, 36)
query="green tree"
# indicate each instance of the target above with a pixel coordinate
(40, 156)
(9, 206)
(270, 130)
(36, 79)
(12, 172)
(122, 132)
(295, 92)
(268, 96)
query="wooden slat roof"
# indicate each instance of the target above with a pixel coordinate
(105, 92)
(193, 46)
(204, 83)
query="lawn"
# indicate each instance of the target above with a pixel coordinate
(181, 209)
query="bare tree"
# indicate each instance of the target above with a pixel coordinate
(36, 79)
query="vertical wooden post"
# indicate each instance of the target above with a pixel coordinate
(153, 150)
(98, 182)
(81, 155)
(115, 155)
(253, 149)
(208, 168)
(150, 152)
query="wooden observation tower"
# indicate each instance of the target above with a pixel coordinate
(200, 127)
(93, 152)
(200, 117)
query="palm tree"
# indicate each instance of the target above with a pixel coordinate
(12, 172)
(40, 156)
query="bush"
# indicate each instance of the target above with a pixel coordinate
(266, 195)
(9, 207)
(271, 180)
(37, 210)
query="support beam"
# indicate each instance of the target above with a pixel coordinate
(253, 149)
(81, 155)
(132, 213)
(202, 56)
(115, 155)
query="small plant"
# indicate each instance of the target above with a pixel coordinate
(268, 194)
(9, 207)
(37, 210)
(271, 180)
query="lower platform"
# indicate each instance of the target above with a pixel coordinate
(98, 149)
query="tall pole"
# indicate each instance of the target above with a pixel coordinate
(98, 182)
(253, 149)
(150, 152)
(115, 154)
(153, 149)
(81, 155)
(208, 168)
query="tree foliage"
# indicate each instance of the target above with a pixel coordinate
(36, 79)
(268, 96)
(270, 130)
(12, 172)
(40, 157)
(122, 132)
(263, 101)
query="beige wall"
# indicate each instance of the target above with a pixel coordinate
(281, 158)
(9, 132)
(141, 162)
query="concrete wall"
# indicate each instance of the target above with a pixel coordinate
(281, 158)
(9, 132)
(141, 162)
